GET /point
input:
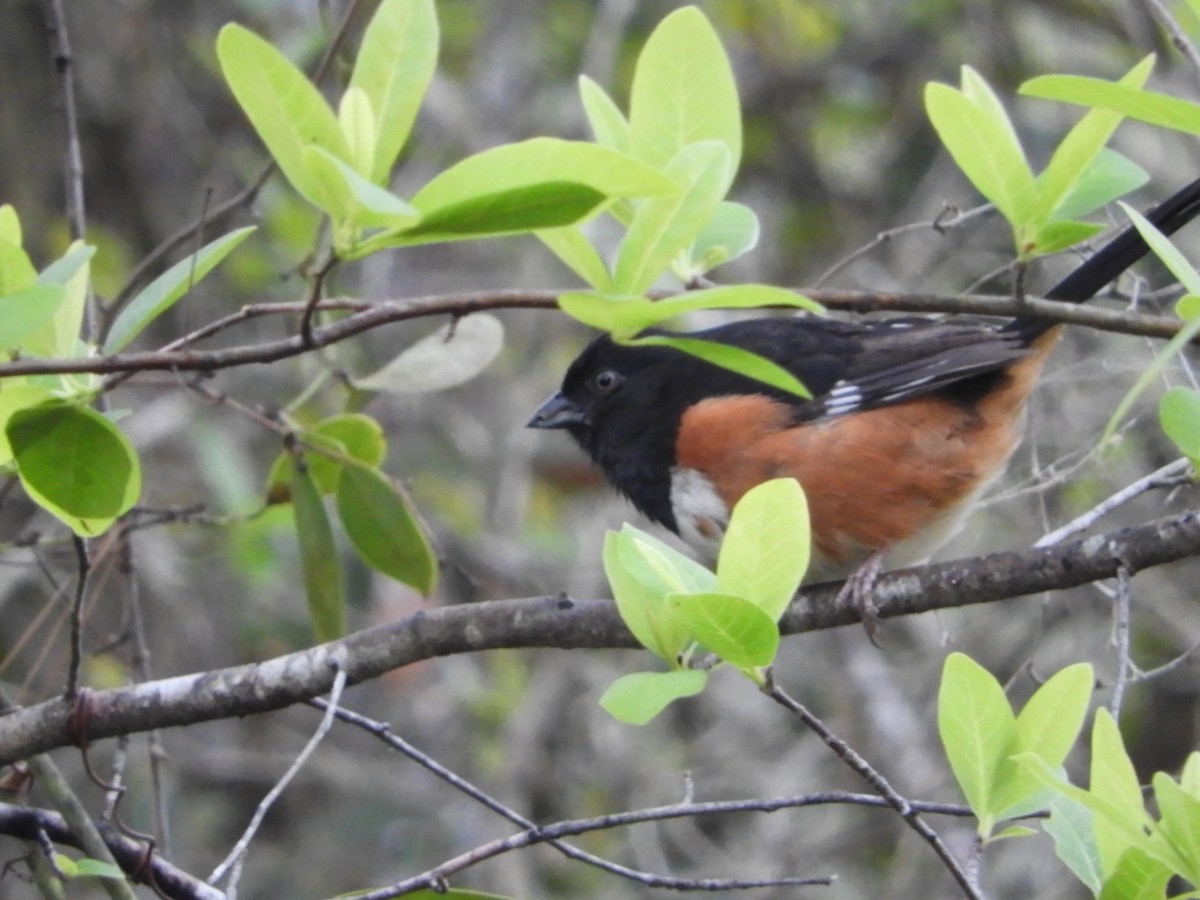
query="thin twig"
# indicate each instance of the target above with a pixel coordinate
(239, 849)
(1121, 618)
(868, 773)
(84, 567)
(1171, 474)
(1178, 36)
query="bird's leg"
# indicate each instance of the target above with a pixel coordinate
(857, 593)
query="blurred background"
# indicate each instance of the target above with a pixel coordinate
(838, 149)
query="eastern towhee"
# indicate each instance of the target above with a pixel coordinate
(910, 418)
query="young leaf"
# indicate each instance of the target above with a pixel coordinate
(352, 435)
(16, 395)
(28, 311)
(517, 210)
(766, 548)
(731, 232)
(394, 67)
(640, 696)
(75, 463)
(1049, 726)
(318, 557)
(1179, 415)
(1179, 824)
(285, 108)
(62, 338)
(663, 227)
(1114, 782)
(734, 628)
(1059, 235)
(538, 161)
(641, 584)
(358, 127)
(348, 196)
(626, 316)
(1136, 103)
(609, 125)
(980, 138)
(733, 358)
(1137, 876)
(384, 530)
(1075, 154)
(67, 266)
(10, 225)
(684, 93)
(1109, 176)
(571, 245)
(452, 355)
(978, 730)
(16, 271)
(86, 867)
(1070, 824)
(168, 288)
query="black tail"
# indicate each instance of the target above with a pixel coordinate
(1116, 256)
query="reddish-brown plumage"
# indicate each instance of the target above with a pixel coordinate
(873, 479)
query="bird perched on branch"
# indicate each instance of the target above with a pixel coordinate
(910, 418)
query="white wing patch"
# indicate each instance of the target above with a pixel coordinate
(700, 513)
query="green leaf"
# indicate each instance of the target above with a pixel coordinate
(86, 867)
(663, 227)
(571, 245)
(318, 557)
(394, 67)
(1077, 152)
(684, 93)
(27, 312)
(1059, 235)
(1167, 252)
(1145, 106)
(642, 571)
(383, 529)
(1188, 306)
(10, 225)
(168, 288)
(1113, 781)
(1049, 726)
(539, 161)
(1179, 824)
(625, 316)
(1189, 778)
(75, 463)
(16, 271)
(67, 266)
(514, 211)
(609, 125)
(1137, 876)
(16, 395)
(733, 358)
(285, 108)
(980, 138)
(1179, 415)
(358, 127)
(452, 355)
(638, 697)
(1109, 176)
(978, 730)
(350, 197)
(354, 435)
(732, 627)
(731, 232)
(765, 552)
(1070, 824)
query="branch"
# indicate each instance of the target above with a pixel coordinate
(369, 316)
(25, 822)
(564, 623)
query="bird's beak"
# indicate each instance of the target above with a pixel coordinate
(558, 412)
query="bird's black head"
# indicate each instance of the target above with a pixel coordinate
(622, 404)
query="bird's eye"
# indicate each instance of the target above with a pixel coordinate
(605, 381)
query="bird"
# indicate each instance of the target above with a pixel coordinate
(909, 419)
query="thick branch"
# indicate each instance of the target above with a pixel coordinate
(563, 623)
